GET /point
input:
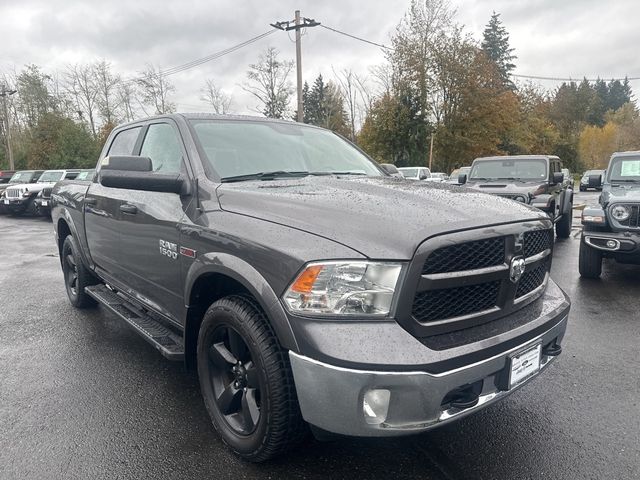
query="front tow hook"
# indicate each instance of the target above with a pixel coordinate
(552, 350)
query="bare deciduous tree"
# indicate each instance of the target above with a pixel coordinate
(216, 97)
(81, 87)
(106, 84)
(155, 89)
(269, 83)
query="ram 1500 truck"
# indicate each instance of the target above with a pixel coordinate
(276, 258)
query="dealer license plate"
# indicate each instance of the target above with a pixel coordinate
(524, 364)
(45, 203)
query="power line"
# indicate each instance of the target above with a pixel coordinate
(570, 79)
(208, 58)
(531, 77)
(356, 38)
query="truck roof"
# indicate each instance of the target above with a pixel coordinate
(519, 157)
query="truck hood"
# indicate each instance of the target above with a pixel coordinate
(32, 187)
(381, 217)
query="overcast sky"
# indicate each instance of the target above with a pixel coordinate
(573, 38)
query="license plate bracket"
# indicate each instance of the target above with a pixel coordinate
(523, 364)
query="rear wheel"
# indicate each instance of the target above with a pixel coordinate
(246, 381)
(76, 275)
(590, 261)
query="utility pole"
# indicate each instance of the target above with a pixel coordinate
(298, 24)
(4, 93)
(431, 152)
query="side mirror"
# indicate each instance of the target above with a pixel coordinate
(128, 163)
(558, 177)
(595, 181)
(462, 178)
(146, 181)
(390, 168)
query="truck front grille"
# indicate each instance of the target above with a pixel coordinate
(12, 193)
(462, 282)
(537, 241)
(466, 256)
(46, 192)
(454, 302)
(634, 216)
(532, 279)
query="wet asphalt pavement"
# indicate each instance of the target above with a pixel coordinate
(82, 396)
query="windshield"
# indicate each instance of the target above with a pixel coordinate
(409, 172)
(236, 149)
(625, 169)
(52, 176)
(85, 175)
(22, 177)
(521, 169)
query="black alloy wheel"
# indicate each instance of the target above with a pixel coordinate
(234, 380)
(76, 275)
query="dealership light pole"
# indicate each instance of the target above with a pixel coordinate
(4, 93)
(298, 24)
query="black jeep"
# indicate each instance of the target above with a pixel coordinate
(611, 229)
(535, 180)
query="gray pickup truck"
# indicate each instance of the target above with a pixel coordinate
(611, 229)
(276, 258)
(535, 180)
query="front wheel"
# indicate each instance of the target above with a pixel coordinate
(590, 261)
(76, 275)
(246, 381)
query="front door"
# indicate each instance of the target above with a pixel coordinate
(149, 235)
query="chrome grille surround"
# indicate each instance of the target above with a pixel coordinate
(441, 302)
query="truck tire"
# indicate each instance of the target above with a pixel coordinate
(76, 275)
(246, 381)
(590, 261)
(563, 227)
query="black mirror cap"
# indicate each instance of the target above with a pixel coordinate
(595, 181)
(146, 181)
(390, 168)
(558, 177)
(128, 163)
(462, 178)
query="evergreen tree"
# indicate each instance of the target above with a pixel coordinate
(323, 105)
(495, 44)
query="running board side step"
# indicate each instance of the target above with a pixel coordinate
(166, 341)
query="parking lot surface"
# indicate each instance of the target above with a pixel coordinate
(82, 396)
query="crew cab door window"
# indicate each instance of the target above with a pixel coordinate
(163, 146)
(124, 142)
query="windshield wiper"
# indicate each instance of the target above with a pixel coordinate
(346, 172)
(265, 176)
(510, 178)
(624, 180)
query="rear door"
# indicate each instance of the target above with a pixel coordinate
(101, 211)
(149, 237)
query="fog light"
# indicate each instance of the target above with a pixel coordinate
(612, 244)
(376, 406)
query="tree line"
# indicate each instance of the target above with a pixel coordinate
(440, 94)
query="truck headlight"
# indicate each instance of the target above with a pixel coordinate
(344, 288)
(620, 213)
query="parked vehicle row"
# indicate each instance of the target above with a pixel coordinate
(29, 191)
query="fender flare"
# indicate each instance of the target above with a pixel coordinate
(65, 216)
(253, 281)
(568, 204)
(543, 202)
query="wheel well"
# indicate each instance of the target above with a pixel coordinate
(206, 290)
(63, 230)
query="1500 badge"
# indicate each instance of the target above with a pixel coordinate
(169, 249)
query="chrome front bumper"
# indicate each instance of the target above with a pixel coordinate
(333, 398)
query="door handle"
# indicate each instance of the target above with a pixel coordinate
(89, 201)
(128, 208)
